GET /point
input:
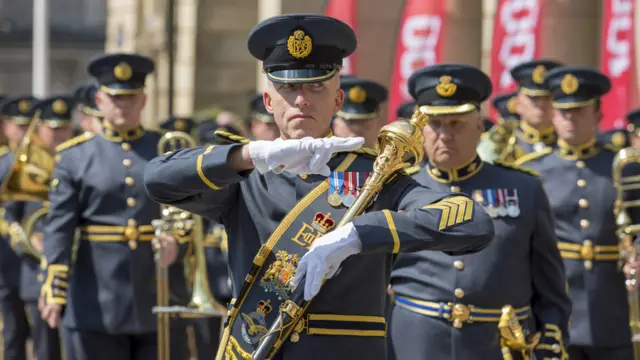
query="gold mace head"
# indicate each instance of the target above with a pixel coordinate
(405, 136)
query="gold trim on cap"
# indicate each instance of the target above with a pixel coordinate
(24, 105)
(59, 106)
(573, 104)
(440, 110)
(325, 77)
(352, 116)
(511, 104)
(533, 92)
(111, 91)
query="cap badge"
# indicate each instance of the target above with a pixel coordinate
(569, 84)
(446, 88)
(123, 71)
(59, 107)
(538, 74)
(180, 124)
(357, 95)
(511, 105)
(299, 45)
(24, 106)
(618, 139)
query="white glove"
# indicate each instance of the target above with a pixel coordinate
(325, 256)
(301, 156)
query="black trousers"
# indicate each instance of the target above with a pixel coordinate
(207, 333)
(15, 327)
(82, 344)
(600, 353)
(46, 341)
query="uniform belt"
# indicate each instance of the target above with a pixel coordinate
(588, 252)
(118, 233)
(457, 313)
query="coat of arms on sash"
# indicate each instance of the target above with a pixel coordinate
(254, 325)
(278, 276)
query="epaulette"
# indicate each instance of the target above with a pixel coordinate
(410, 170)
(75, 141)
(532, 156)
(372, 153)
(4, 149)
(523, 169)
(612, 147)
(230, 138)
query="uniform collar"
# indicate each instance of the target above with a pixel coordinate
(571, 152)
(533, 135)
(452, 175)
(112, 134)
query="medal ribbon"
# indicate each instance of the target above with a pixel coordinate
(512, 198)
(501, 203)
(489, 196)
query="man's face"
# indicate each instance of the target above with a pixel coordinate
(122, 111)
(366, 128)
(52, 137)
(13, 131)
(264, 131)
(577, 126)
(302, 110)
(535, 110)
(450, 140)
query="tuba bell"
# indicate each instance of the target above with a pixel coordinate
(180, 222)
(498, 144)
(28, 180)
(626, 231)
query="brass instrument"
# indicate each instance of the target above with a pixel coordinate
(513, 336)
(626, 231)
(498, 144)
(400, 144)
(21, 234)
(30, 175)
(28, 180)
(180, 222)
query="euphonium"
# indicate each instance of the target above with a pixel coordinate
(626, 232)
(180, 222)
(30, 175)
(28, 180)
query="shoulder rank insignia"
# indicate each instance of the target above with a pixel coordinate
(498, 202)
(75, 141)
(4, 149)
(532, 156)
(523, 169)
(410, 170)
(230, 138)
(254, 325)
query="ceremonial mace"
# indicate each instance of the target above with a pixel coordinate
(400, 144)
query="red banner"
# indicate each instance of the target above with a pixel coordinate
(419, 44)
(617, 61)
(345, 11)
(517, 33)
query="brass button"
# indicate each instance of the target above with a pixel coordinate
(125, 146)
(555, 348)
(582, 183)
(127, 162)
(132, 222)
(455, 188)
(459, 293)
(584, 203)
(304, 176)
(584, 223)
(131, 202)
(458, 264)
(129, 181)
(580, 164)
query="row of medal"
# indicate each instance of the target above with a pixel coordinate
(498, 202)
(344, 187)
